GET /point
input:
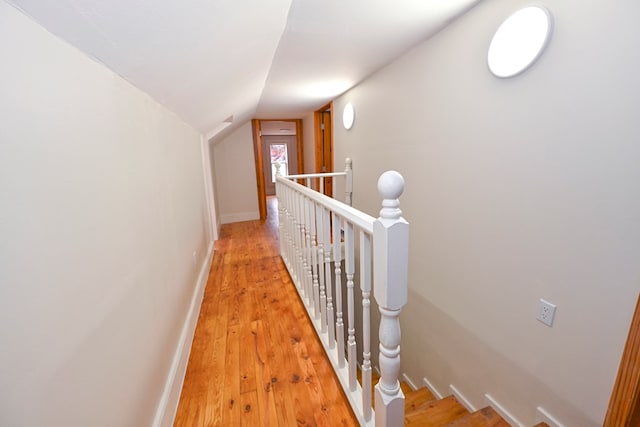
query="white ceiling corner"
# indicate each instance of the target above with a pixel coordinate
(207, 60)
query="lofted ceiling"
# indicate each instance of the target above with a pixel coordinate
(216, 62)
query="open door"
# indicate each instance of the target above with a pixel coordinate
(262, 129)
(323, 123)
(282, 150)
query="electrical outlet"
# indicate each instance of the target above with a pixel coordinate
(546, 312)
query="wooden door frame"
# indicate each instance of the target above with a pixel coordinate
(317, 127)
(624, 405)
(258, 158)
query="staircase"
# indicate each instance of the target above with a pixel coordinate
(423, 409)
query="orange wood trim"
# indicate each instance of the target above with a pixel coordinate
(317, 133)
(300, 143)
(319, 148)
(624, 406)
(257, 155)
(329, 150)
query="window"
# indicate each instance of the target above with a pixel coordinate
(278, 156)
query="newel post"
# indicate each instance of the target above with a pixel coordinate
(391, 253)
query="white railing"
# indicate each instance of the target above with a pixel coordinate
(319, 236)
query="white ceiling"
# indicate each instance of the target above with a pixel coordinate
(212, 61)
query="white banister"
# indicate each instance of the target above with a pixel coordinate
(337, 260)
(326, 245)
(391, 254)
(349, 265)
(365, 287)
(321, 270)
(348, 170)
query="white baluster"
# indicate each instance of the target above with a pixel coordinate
(290, 235)
(299, 237)
(313, 248)
(326, 223)
(308, 252)
(281, 194)
(351, 327)
(391, 253)
(365, 286)
(337, 260)
(320, 267)
(333, 184)
(299, 240)
(348, 181)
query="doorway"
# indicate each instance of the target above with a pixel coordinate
(323, 124)
(278, 152)
(289, 130)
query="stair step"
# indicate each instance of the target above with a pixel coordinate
(405, 387)
(416, 398)
(375, 377)
(485, 417)
(435, 413)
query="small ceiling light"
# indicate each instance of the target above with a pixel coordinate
(348, 116)
(519, 41)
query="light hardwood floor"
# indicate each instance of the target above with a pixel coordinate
(255, 358)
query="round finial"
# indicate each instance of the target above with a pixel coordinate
(390, 185)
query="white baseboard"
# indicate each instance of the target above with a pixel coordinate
(408, 380)
(462, 399)
(502, 411)
(431, 388)
(168, 405)
(543, 416)
(239, 217)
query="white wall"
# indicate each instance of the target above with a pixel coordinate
(102, 204)
(309, 144)
(216, 204)
(235, 176)
(516, 189)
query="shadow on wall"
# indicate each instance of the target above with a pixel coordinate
(475, 369)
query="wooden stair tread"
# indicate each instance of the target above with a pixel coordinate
(485, 417)
(416, 398)
(405, 387)
(423, 409)
(436, 413)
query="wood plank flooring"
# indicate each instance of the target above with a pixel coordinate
(255, 359)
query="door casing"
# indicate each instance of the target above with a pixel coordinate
(259, 159)
(323, 131)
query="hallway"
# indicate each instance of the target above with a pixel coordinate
(255, 359)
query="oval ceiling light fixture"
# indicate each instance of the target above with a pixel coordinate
(519, 41)
(348, 116)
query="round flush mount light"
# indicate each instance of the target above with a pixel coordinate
(348, 116)
(519, 41)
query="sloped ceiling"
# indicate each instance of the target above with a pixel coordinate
(212, 61)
